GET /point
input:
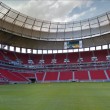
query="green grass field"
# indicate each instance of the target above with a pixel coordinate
(55, 96)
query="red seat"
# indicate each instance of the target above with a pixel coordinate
(67, 75)
(51, 76)
(81, 75)
(97, 74)
(40, 76)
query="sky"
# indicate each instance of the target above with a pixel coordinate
(60, 10)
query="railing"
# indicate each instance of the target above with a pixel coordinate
(55, 67)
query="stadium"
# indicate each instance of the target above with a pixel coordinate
(37, 55)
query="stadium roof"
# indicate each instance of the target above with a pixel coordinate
(26, 26)
(60, 10)
(16, 28)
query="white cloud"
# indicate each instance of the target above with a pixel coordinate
(88, 4)
(76, 17)
(69, 19)
(52, 10)
(93, 9)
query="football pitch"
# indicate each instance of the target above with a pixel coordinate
(55, 96)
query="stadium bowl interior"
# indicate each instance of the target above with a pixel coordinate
(34, 50)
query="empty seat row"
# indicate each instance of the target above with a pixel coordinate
(56, 76)
(12, 76)
(54, 58)
(76, 75)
